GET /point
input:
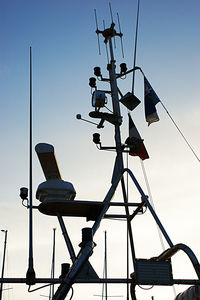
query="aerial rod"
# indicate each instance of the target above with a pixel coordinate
(106, 266)
(135, 46)
(51, 291)
(30, 275)
(95, 15)
(111, 14)
(3, 264)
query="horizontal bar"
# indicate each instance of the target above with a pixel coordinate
(111, 216)
(124, 204)
(98, 280)
(101, 203)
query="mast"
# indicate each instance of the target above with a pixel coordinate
(116, 107)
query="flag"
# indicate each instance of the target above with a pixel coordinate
(150, 101)
(135, 142)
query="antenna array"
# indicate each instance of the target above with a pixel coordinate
(108, 32)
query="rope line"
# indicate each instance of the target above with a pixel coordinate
(151, 200)
(191, 148)
(152, 203)
(183, 136)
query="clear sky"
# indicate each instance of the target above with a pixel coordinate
(64, 46)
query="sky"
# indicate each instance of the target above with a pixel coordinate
(65, 51)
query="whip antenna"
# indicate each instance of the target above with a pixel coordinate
(120, 35)
(30, 275)
(135, 48)
(97, 31)
(104, 26)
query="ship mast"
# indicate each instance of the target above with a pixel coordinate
(57, 198)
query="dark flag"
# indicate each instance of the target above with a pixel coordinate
(150, 101)
(135, 142)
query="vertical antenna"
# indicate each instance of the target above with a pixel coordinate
(106, 267)
(95, 14)
(121, 35)
(30, 275)
(135, 49)
(104, 26)
(51, 292)
(111, 15)
(3, 263)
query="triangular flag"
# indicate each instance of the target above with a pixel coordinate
(150, 101)
(135, 142)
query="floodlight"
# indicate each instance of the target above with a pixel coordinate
(97, 71)
(99, 99)
(23, 193)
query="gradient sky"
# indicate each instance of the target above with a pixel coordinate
(64, 46)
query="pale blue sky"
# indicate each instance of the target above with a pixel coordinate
(64, 46)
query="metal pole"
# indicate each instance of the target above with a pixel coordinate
(67, 239)
(106, 267)
(116, 110)
(30, 275)
(115, 103)
(3, 264)
(145, 199)
(51, 292)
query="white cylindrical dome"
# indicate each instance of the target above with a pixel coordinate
(56, 189)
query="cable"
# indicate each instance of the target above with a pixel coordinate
(152, 203)
(108, 109)
(25, 205)
(145, 288)
(180, 132)
(72, 293)
(186, 141)
(41, 287)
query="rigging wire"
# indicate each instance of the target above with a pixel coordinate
(151, 200)
(152, 203)
(183, 136)
(175, 124)
(133, 81)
